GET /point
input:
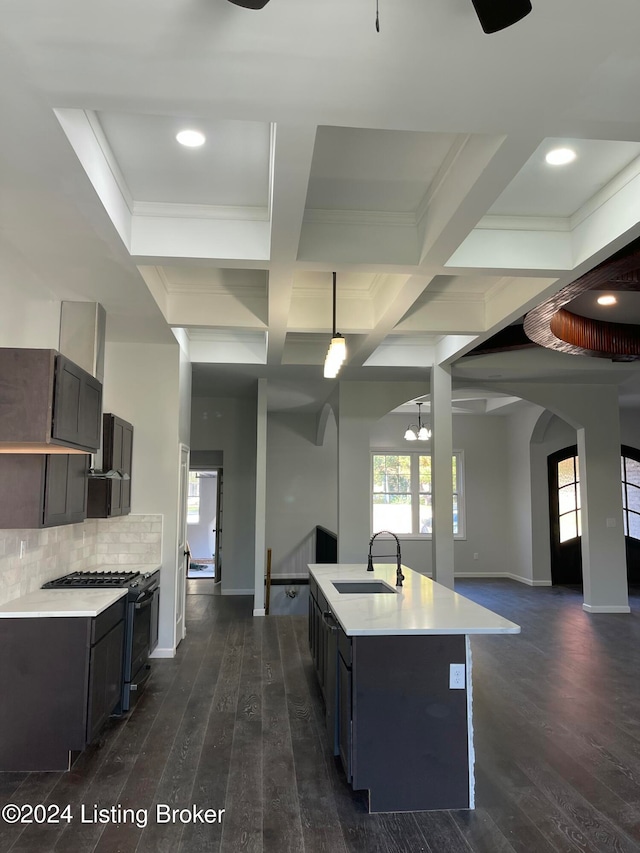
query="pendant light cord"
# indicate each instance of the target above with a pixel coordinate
(334, 305)
(377, 18)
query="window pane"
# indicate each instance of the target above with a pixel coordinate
(567, 499)
(633, 471)
(454, 466)
(391, 473)
(633, 498)
(634, 525)
(395, 516)
(625, 523)
(455, 515)
(426, 514)
(566, 472)
(425, 474)
(577, 464)
(194, 483)
(568, 527)
(579, 524)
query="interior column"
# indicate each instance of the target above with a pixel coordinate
(604, 562)
(442, 476)
(261, 498)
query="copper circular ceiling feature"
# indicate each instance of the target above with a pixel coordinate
(552, 325)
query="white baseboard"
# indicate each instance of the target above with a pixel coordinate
(606, 608)
(482, 575)
(260, 611)
(238, 591)
(163, 653)
(528, 581)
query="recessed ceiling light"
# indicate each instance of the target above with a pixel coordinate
(606, 300)
(560, 156)
(191, 138)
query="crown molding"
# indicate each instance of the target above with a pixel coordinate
(617, 183)
(442, 174)
(319, 216)
(224, 336)
(200, 211)
(524, 223)
(112, 163)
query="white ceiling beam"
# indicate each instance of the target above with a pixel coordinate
(470, 183)
(406, 293)
(453, 347)
(291, 156)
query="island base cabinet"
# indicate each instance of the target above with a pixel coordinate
(344, 716)
(410, 742)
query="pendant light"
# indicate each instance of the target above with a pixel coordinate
(419, 431)
(337, 352)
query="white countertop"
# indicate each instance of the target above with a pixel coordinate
(420, 606)
(61, 602)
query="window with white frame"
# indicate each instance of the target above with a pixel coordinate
(402, 493)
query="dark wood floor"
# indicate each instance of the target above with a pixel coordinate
(234, 722)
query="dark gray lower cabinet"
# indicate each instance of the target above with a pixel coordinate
(400, 731)
(345, 715)
(62, 679)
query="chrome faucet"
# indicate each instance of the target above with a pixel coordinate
(399, 575)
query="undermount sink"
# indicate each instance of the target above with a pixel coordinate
(362, 586)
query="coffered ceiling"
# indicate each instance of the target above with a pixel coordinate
(411, 161)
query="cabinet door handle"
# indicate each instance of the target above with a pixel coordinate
(327, 614)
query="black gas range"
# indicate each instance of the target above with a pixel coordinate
(141, 620)
(136, 581)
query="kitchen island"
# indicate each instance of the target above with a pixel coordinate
(394, 668)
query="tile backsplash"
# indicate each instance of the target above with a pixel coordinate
(29, 558)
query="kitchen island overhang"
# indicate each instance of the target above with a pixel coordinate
(395, 673)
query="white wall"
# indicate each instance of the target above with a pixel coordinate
(525, 475)
(142, 386)
(228, 424)
(482, 439)
(302, 484)
(28, 322)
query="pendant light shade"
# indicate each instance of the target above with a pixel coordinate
(337, 352)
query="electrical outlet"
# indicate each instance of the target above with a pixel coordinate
(475, 555)
(456, 676)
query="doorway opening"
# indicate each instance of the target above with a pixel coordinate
(204, 510)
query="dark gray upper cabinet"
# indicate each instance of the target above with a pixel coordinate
(112, 496)
(42, 490)
(45, 401)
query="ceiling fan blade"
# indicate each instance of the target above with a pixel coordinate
(250, 4)
(496, 15)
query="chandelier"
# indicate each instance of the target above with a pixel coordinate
(419, 431)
